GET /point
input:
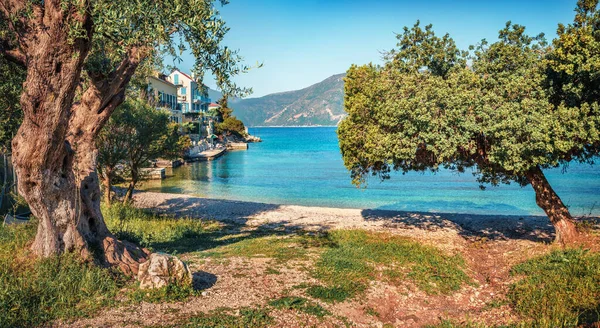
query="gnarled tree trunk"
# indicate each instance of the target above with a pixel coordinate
(131, 188)
(54, 153)
(557, 212)
(107, 182)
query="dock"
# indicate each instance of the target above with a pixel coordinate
(207, 155)
(237, 145)
(153, 173)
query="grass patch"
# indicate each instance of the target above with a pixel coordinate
(270, 270)
(451, 324)
(360, 256)
(169, 293)
(280, 248)
(37, 291)
(371, 311)
(230, 318)
(561, 289)
(154, 231)
(299, 304)
(332, 294)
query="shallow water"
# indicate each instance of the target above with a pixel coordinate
(303, 166)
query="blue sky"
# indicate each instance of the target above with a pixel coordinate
(303, 42)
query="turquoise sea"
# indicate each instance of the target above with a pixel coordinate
(303, 166)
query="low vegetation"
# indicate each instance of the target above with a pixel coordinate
(231, 318)
(360, 256)
(153, 231)
(560, 289)
(35, 292)
(300, 304)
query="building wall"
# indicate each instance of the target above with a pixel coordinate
(165, 96)
(188, 91)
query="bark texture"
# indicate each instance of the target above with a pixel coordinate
(557, 212)
(54, 153)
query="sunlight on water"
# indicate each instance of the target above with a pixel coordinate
(303, 166)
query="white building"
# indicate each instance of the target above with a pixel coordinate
(164, 95)
(191, 95)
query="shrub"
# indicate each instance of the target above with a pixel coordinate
(561, 289)
(37, 291)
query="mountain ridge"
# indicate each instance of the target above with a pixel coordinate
(316, 105)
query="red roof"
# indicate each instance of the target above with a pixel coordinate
(184, 74)
(213, 105)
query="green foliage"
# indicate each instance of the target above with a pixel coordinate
(11, 80)
(561, 289)
(232, 126)
(359, 257)
(135, 134)
(149, 230)
(518, 105)
(228, 123)
(37, 291)
(167, 28)
(299, 304)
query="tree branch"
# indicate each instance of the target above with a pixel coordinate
(105, 93)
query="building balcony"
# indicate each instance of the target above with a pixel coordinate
(201, 100)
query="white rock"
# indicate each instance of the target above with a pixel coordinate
(162, 269)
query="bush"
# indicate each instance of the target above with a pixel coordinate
(561, 289)
(231, 125)
(37, 291)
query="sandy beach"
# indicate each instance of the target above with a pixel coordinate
(452, 230)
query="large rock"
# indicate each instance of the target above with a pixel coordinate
(162, 269)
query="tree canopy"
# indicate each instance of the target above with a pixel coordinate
(228, 123)
(11, 77)
(135, 134)
(79, 57)
(507, 109)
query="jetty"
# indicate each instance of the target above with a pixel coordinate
(207, 155)
(237, 145)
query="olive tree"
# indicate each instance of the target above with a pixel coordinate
(508, 110)
(79, 56)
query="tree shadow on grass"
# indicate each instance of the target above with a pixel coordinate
(227, 234)
(469, 226)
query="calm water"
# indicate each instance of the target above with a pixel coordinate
(303, 166)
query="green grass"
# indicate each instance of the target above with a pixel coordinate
(230, 318)
(36, 291)
(561, 289)
(451, 324)
(360, 256)
(154, 231)
(167, 294)
(299, 304)
(282, 248)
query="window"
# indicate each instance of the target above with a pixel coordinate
(183, 91)
(176, 78)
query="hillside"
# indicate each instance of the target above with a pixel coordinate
(318, 104)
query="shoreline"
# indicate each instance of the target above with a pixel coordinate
(422, 225)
